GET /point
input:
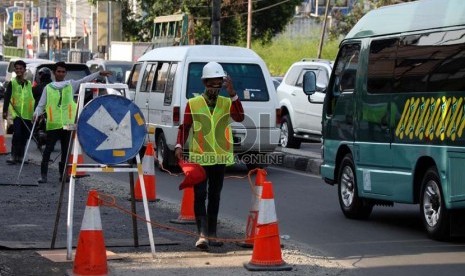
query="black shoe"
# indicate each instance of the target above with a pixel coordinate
(215, 243)
(42, 180)
(11, 161)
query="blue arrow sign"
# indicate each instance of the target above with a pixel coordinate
(111, 129)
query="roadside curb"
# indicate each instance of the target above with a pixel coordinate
(308, 164)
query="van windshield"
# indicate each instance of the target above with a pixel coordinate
(248, 81)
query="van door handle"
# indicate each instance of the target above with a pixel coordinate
(293, 94)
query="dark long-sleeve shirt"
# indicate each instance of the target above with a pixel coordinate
(236, 112)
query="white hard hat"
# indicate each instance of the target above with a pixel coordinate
(213, 70)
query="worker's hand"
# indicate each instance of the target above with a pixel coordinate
(178, 153)
(5, 115)
(228, 84)
(105, 73)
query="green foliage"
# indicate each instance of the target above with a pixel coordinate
(269, 18)
(282, 52)
(9, 39)
(344, 23)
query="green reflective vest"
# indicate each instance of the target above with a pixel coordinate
(211, 137)
(22, 100)
(60, 107)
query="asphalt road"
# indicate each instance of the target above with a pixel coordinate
(391, 242)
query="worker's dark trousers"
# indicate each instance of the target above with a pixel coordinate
(20, 136)
(52, 137)
(214, 182)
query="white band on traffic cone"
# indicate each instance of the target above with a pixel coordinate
(91, 220)
(267, 212)
(148, 165)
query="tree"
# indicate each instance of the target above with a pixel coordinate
(9, 39)
(344, 23)
(270, 17)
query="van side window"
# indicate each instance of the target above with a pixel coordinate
(381, 63)
(148, 77)
(430, 62)
(346, 69)
(161, 74)
(134, 77)
(344, 74)
(170, 84)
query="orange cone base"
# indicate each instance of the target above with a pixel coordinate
(183, 220)
(150, 188)
(266, 255)
(187, 215)
(253, 267)
(250, 230)
(91, 254)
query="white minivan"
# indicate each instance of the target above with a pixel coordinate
(165, 78)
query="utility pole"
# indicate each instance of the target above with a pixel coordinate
(320, 47)
(48, 27)
(216, 16)
(109, 30)
(249, 24)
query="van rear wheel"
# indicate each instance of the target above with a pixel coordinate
(434, 214)
(287, 139)
(163, 153)
(351, 204)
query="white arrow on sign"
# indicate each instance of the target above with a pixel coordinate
(119, 136)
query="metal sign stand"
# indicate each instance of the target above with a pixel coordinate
(75, 167)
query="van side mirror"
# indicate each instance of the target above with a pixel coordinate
(309, 83)
(310, 87)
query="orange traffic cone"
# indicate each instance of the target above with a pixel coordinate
(187, 215)
(91, 257)
(266, 255)
(253, 214)
(80, 160)
(3, 149)
(148, 166)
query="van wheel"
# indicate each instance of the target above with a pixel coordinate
(434, 214)
(351, 205)
(287, 139)
(163, 153)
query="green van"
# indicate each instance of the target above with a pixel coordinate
(394, 114)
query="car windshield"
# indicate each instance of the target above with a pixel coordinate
(248, 81)
(118, 72)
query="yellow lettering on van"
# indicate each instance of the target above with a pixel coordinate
(414, 121)
(462, 122)
(441, 129)
(424, 110)
(411, 124)
(434, 116)
(403, 119)
(454, 111)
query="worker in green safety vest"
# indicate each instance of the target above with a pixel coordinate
(19, 101)
(207, 123)
(57, 101)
